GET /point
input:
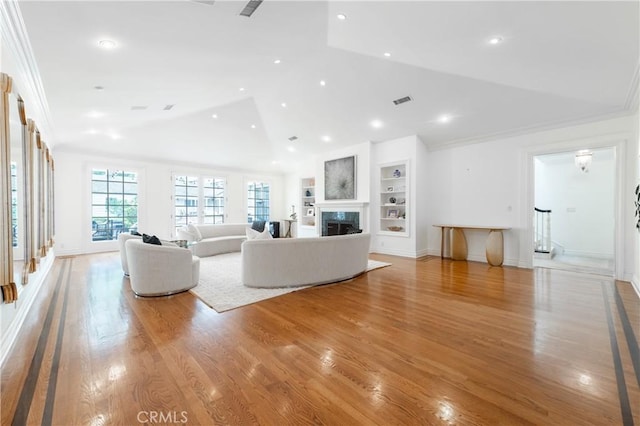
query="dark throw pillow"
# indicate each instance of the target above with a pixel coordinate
(136, 233)
(151, 239)
(258, 225)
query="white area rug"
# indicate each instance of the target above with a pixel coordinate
(220, 286)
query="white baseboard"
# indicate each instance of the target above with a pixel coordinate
(394, 252)
(588, 254)
(9, 339)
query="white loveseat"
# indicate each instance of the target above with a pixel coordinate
(209, 240)
(160, 270)
(290, 262)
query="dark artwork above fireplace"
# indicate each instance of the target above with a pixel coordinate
(340, 223)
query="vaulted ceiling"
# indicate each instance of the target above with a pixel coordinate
(557, 63)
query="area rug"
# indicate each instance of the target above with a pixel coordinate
(220, 286)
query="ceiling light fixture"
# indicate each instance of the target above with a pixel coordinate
(342, 16)
(387, 54)
(107, 44)
(583, 159)
(277, 61)
(291, 149)
(444, 118)
(253, 126)
(284, 105)
(496, 40)
(376, 124)
(92, 132)
(326, 139)
(323, 83)
(214, 115)
(95, 114)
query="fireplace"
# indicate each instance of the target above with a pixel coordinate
(340, 223)
(341, 218)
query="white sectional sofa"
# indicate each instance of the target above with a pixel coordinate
(288, 262)
(209, 240)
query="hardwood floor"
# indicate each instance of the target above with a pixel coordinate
(425, 341)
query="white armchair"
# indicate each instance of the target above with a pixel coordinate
(122, 239)
(160, 270)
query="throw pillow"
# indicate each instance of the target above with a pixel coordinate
(252, 234)
(136, 233)
(151, 239)
(195, 231)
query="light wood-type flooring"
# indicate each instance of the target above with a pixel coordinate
(427, 341)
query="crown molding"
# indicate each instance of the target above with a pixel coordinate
(16, 40)
(631, 103)
(527, 130)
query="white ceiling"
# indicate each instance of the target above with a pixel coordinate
(559, 63)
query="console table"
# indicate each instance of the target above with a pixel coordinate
(495, 242)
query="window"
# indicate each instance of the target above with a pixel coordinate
(114, 204)
(192, 192)
(14, 204)
(257, 201)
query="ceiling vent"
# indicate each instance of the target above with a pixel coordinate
(168, 107)
(250, 8)
(293, 138)
(207, 2)
(139, 107)
(402, 100)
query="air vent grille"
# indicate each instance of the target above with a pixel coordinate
(250, 8)
(168, 107)
(402, 100)
(293, 138)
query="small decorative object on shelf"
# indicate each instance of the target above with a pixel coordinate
(293, 214)
(311, 212)
(395, 228)
(393, 213)
(402, 201)
(307, 193)
(389, 188)
(392, 200)
(397, 173)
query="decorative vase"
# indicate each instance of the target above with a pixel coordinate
(392, 200)
(396, 173)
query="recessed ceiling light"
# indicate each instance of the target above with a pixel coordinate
(291, 148)
(214, 115)
(253, 126)
(376, 124)
(241, 89)
(92, 132)
(387, 54)
(275, 162)
(326, 138)
(284, 105)
(95, 114)
(496, 40)
(115, 136)
(277, 61)
(342, 16)
(107, 44)
(444, 118)
(323, 83)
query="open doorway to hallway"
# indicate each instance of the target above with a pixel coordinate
(575, 212)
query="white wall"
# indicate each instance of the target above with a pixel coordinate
(582, 204)
(73, 197)
(486, 184)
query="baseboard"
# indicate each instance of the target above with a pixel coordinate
(588, 254)
(9, 339)
(392, 252)
(635, 283)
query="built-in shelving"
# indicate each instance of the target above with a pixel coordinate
(307, 216)
(394, 199)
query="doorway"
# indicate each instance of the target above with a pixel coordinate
(574, 219)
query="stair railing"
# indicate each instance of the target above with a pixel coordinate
(542, 230)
